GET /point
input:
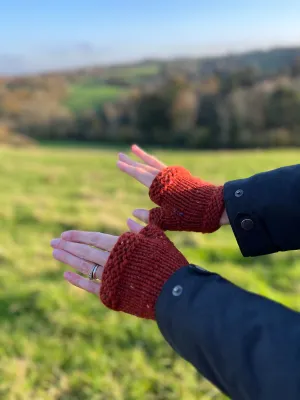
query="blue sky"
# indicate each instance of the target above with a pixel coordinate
(50, 34)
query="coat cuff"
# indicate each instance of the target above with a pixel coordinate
(264, 211)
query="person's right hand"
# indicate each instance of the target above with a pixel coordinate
(144, 172)
(186, 203)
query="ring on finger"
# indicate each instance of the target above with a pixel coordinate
(92, 274)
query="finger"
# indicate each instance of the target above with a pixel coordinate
(139, 174)
(124, 158)
(147, 158)
(134, 226)
(97, 239)
(142, 215)
(83, 251)
(82, 266)
(82, 283)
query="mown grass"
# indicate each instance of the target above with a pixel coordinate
(58, 343)
(82, 97)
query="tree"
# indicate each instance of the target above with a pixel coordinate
(209, 117)
(283, 109)
(153, 116)
(295, 67)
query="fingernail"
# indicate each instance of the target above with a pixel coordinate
(54, 242)
(137, 211)
(65, 235)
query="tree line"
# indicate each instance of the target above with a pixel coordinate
(228, 108)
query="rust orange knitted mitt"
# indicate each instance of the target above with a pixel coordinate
(186, 203)
(136, 271)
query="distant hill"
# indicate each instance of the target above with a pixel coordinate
(267, 62)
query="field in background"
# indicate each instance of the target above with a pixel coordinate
(88, 96)
(132, 72)
(94, 92)
(59, 343)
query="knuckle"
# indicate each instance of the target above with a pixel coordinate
(94, 239)
(71, 235)
(80, 255)
(60, 244)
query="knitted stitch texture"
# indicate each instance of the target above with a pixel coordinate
(186, 203)
(137, 268)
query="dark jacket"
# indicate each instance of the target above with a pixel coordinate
(246, 345)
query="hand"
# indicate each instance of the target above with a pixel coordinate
(186, 203)
(74, 249)
(144, 173)
(133, 267)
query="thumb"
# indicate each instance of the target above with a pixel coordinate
(141, 214)
(134, 226)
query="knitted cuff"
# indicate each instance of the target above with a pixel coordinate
(138, 267)
(186, 203)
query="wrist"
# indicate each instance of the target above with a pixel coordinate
(224, 220)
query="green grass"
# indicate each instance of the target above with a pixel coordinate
(94, 93)
(56, 342)
(140, 71)
(87, 96)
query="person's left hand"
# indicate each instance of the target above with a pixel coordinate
(133, 268)
(74, 249)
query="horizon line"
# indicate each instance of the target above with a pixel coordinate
(143, 60)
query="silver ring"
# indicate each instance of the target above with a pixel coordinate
(92, 274)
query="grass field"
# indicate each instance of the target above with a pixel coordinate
(91, 94)
(57, 342)
(139, 71)
(84, 96)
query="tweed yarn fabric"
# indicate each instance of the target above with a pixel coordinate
(137, 268)
(186, 203)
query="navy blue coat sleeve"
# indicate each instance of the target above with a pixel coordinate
(264, 211)
(246, 345)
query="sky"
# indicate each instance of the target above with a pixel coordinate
(61, 34)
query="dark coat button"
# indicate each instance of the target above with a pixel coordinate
(247, 224)
(239, 193)
(177, 290)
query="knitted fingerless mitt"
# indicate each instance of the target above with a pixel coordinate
(136, 271)
(186, 203)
